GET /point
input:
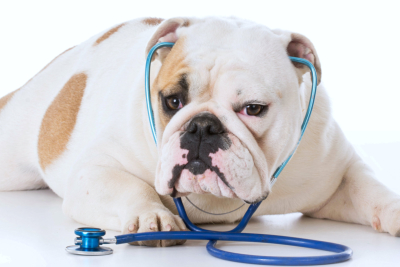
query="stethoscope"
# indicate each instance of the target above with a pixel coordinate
(89, 239)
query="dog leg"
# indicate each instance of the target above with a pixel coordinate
(110, 198)
(360, 198)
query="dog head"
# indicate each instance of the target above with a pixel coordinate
(228, 105)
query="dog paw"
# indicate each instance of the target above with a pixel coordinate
(389, 219)
(154, 221)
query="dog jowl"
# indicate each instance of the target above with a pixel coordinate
(205, 158)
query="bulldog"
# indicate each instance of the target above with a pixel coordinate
(228, 106)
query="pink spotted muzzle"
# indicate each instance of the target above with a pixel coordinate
(205, 158)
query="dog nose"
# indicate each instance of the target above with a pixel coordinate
(205, 124)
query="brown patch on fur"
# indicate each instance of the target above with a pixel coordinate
(108, 34)
(152, 21)
(60, 119)
(4, 100)
(186, 23)
(174, 66)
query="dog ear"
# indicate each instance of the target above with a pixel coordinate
(166, 32)
(298, 45)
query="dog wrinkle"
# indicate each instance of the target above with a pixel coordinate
(221, 176)
(107, 35)
(223, 119)
(59, 120)
(176, 173)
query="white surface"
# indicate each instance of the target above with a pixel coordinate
(34, 232)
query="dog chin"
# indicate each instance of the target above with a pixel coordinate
(207, 182)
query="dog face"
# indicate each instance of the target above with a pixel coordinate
(227, 104)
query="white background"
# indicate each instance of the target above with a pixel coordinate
(357, 42)
(358, 45)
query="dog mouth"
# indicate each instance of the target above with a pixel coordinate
(198, 177)
(204, 159)
(197, 166)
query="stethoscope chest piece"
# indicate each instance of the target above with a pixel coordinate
(88, 242)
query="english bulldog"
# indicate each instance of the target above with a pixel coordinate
(228, 106)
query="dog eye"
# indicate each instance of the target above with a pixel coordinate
(173, 103)
(253, 109)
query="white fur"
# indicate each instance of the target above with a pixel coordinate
(106, 175)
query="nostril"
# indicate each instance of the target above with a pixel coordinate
(208, 130)
(215, 129)
(192, 128)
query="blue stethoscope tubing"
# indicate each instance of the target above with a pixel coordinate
(342, 253)
(91, 237)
